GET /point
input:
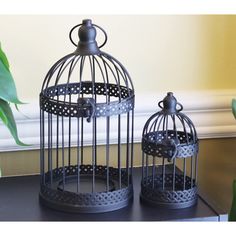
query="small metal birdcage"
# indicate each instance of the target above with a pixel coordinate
(169, 161)
(87, 98)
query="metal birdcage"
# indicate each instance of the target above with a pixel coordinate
(87, 98)
(169, 161)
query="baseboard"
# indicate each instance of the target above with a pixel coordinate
(210, 111)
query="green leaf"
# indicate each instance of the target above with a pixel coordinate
(3, 116)
(234, 107)
(9, 121)
(7, 86)
(3, 58)
(17, 108)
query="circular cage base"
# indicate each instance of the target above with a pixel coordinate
(84, 200)
(82, 209)
(168, 198)
(169, 205)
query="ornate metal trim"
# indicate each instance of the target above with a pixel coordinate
(153, 145)
(57, 198)
(50, 104)
(180, 198)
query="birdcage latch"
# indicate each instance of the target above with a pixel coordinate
(86, 107)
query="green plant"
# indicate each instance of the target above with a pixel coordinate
(234, 107)
(8, 95)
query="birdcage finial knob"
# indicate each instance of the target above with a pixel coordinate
(87, 44)
(170, 104)
(87, 32)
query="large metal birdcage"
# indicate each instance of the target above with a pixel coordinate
(87, 98)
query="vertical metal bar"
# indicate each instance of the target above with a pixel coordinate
(82, 119)
(92, 67)
(78, 155)
(127, 148)
(57, 144)
(104, 76)
(51, 149)
(153, 171)
(57, 140)
(166, 128)
(173, 180)
(49, 167)
(184, 174)
(68, 92)
(132, 143)
(187, 139)
(63, 154)
(107, 149)
(191, 174)
(82, 141)
(163, 173)
(143, 166)
(174, 161)
(41, 148)
(49, 146)
(147, 164)
(95, 141)
(95, 118)
(192, 134)
(69, 141)
(196, 168)
(119, 151)
(165, 132)
(93, 154)
(106, 83)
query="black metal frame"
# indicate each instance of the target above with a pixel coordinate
(81, 91)
(169, 137)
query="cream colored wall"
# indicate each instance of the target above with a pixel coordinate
(160, 52)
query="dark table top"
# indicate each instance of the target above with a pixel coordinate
(19, 202)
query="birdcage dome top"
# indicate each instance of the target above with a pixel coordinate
(89, 77)
(169, 132)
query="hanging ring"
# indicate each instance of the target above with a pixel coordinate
(159, 104)
(105, 34)
(178, 110)
(76, 26)
(70, 34)
(181, 107)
